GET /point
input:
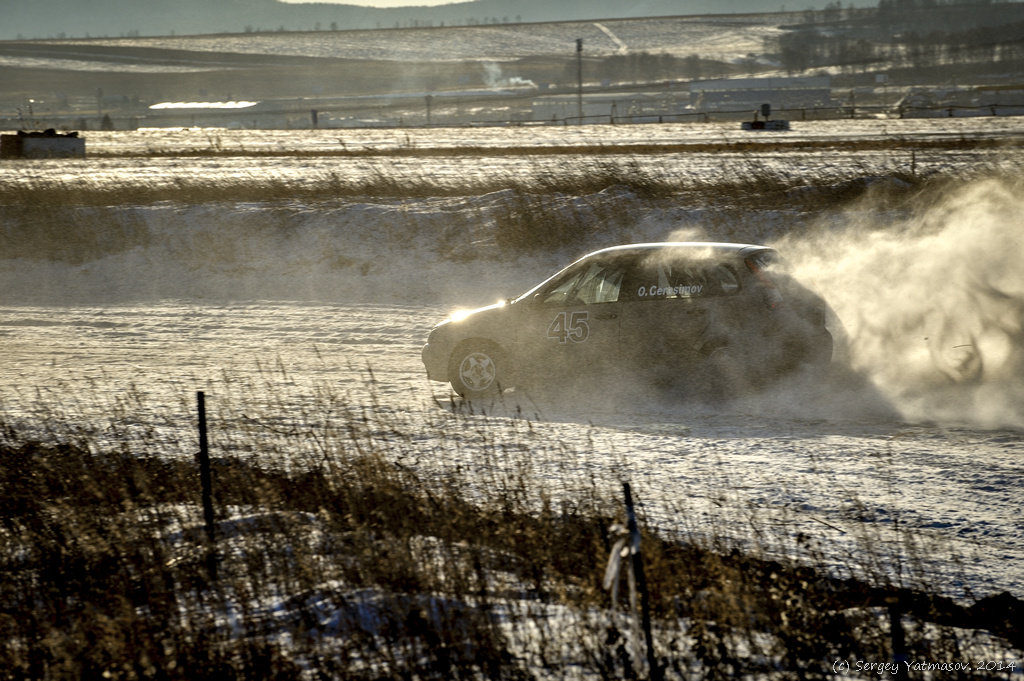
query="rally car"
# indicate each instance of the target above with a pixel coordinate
(711, 318)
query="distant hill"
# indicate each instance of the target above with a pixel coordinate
(36, 19)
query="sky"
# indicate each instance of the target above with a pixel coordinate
(386, 3)
(769, 5)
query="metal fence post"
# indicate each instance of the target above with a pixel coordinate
(206, 483)
(641, 584)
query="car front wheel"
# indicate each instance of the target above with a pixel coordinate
(475, 370)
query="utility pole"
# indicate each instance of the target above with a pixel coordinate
(579, 79)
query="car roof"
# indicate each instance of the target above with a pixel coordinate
(719, 248)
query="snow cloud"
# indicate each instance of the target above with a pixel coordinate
(932, 303)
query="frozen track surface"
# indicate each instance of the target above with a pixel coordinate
(823, 464)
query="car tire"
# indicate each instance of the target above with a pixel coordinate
(476, 370)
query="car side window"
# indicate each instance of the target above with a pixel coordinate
(597, 283)
(684, 280)
(725, 280)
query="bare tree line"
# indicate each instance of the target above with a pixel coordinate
(904, 33)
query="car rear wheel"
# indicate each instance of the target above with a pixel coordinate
(475, 370)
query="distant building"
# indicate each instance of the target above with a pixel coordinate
(46, 144)
(609, 106)
(748, 94)
(201, 114)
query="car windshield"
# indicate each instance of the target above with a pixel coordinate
(597, 283)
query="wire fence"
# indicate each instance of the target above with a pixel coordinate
(802, 114)
(498, 114)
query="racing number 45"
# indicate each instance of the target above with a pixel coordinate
(569, 326)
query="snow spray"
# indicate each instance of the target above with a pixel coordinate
(931, 303)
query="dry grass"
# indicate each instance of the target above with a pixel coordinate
(337, 557)
(581, 174)
(537, 211)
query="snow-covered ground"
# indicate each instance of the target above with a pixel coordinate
(176, 140)
(727, 38)
(287, 315)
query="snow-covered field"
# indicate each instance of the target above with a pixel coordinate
(724, 37)
(175, 140)
(286, 313)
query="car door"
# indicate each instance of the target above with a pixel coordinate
(571, 327)
(668, 314)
